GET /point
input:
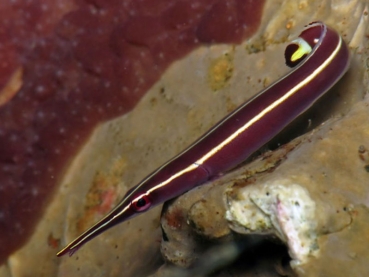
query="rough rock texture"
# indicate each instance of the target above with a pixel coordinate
(311, 205)
(190, 97)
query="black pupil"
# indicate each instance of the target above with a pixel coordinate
(141, 202)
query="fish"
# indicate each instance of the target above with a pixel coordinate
(319, 58)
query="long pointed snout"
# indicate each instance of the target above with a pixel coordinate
(121, 213)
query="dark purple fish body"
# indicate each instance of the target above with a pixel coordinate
(320, 58)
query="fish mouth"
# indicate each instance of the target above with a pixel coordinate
(119, 214)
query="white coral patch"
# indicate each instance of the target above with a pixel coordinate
(285, 210)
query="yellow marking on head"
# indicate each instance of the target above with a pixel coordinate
(303, 49)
